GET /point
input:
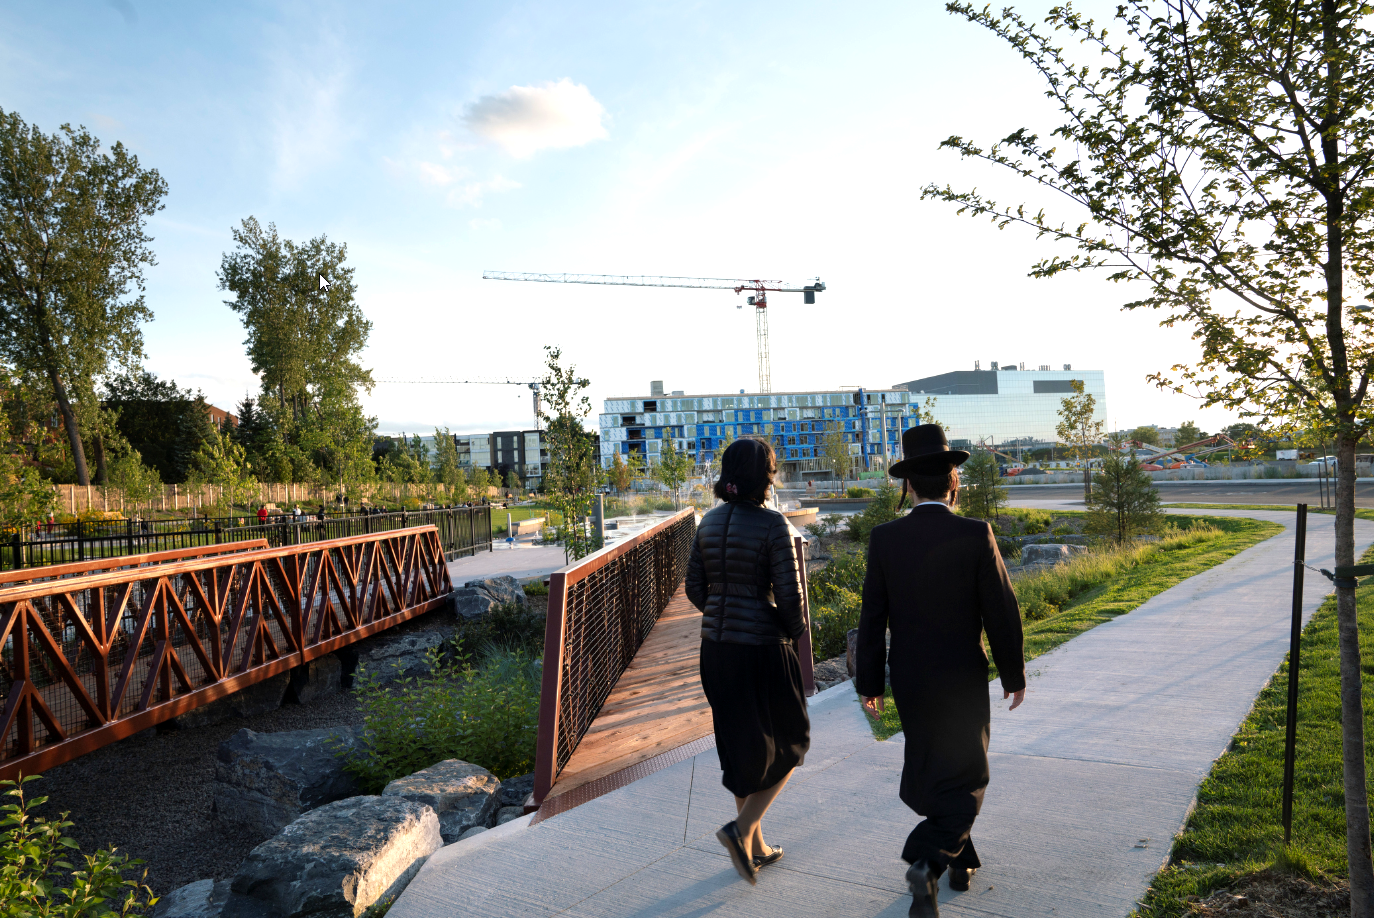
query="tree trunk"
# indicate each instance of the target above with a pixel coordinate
(64, 406)
(1087, 481)
(1357, 844)
(102, 471)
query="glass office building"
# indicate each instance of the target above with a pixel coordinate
(794, 422)
(1007, 407)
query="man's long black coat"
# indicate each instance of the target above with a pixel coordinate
(937, 581)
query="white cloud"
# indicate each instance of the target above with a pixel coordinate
(478, 223)
(439, 175)
(471, 194)
(526, 119)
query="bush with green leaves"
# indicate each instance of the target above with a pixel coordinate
(536, 588)
(845, 570)
(855, 492)
(831, 622)
(37, 880)
(883, 509)
(509, 626)
(488, 716)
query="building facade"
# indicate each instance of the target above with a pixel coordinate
(524, 452)
(794, 422)
(1005, 407)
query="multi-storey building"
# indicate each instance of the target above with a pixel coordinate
(794, 422)
(1006, 407)
(524, 452)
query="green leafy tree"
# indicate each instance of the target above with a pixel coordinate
(166, 424)
(716, 456)
(1124, 502)
(447, 471)
(338, 436)
(835, 451)
(619, 474)
(1148, 434)
(222, 463)
(982, 492)
(1078, 430)
(479, 481)
(1221, 158)
(1188, 432)
(571, 477)
(512, 482)
(301, 337)
(882, 509)
(672, 468)
(72, 248)
(25, 498)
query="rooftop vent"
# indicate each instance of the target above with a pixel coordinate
(1068, 367)
(656, 388)
(1044, 366)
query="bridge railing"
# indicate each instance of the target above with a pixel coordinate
(90, 659)
(14, 578)
(601, 609)
(462, 531)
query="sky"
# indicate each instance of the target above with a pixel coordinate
(703, 139)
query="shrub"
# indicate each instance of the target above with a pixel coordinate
(536, 588)
(509, 626)
(858, 492)
(845, 571)
(830, 623)
(486, 716)
(1062, 530)
(37, 880)
(882, 510)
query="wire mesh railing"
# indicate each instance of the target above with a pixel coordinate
(462, 531)
(90, 659)
(600, 611)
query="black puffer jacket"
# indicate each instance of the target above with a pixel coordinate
(743, 577)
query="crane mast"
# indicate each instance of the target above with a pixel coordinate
(759, 299)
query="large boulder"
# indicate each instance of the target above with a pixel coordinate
(391, 657)
(258, 698)
(463, 795)
(477, 597)
(201, 899)
(336, 861)
(1046, 553)
(264, 781)
(321, 676)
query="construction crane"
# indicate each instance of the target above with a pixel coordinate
(759, 298)
(532, 386)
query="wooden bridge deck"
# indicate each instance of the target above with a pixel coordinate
(656, 706)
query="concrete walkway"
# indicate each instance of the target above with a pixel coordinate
(1091, 779)
(525, 561)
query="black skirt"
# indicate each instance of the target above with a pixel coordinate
(759, 708)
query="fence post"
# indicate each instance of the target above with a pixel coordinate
(129, 533)
(18, 544)
(216, 532)
(81, 540)
(1294, 649)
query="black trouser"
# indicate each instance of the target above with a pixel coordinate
(942, 841)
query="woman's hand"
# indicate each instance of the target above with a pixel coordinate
(873, 707)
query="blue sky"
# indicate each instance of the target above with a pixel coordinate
(757, 139)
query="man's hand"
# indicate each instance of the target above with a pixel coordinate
(873, 707)
(1015, 699)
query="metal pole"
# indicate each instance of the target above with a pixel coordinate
(1294, 648)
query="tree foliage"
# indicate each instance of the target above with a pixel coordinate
(982, 492)
(25, 498)
(1078, 430)
(672, 468)
(1124, 502)
(72, 251)
(571, 476)
(835, 451)
(1188, 432)
(1221, 158)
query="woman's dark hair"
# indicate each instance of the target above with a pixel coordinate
(746, 471)
(934, 487)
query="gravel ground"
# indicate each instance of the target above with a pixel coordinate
(150, 796)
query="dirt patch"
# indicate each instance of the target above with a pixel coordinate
(1272, 895)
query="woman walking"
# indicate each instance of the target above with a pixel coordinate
(743, 576)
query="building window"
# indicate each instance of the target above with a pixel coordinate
(792, 441)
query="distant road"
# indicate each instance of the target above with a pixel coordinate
(1275, 491)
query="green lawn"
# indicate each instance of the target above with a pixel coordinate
(1291, 508)
(1125, 591)
(1235, 828)
(498, 517)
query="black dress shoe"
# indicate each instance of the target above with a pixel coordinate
(728, 835)
(924, 882)
(959, 878)
(763, 860)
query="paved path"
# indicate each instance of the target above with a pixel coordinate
(1090, 781)
(1243, 491)
(524, 562)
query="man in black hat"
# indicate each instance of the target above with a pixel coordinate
(938, 582)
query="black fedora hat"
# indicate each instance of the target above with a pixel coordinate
(925, 451)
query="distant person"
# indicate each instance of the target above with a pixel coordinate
(743, 576)
(262, 515)
(937, 581)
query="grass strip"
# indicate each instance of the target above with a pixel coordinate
(1360, 514)
(1152, 569)
(1235, 829)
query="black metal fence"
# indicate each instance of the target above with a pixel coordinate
(462, 531)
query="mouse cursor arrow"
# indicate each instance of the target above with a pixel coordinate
(324, 284)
